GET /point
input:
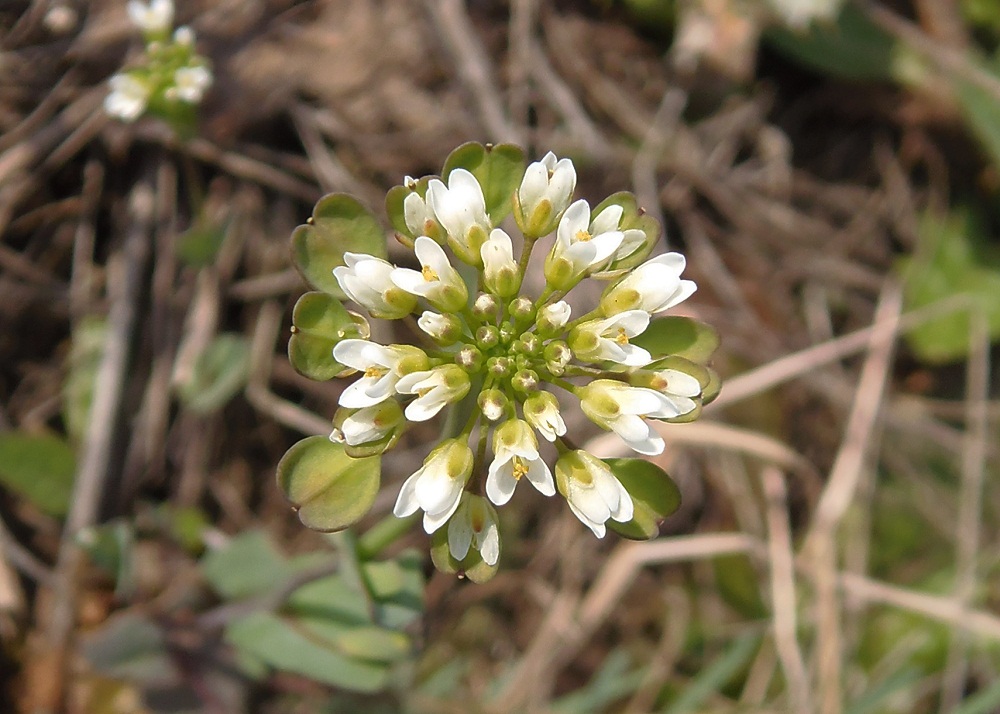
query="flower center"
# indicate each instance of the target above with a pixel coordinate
(376, 371)
(519, 468)
(424, 391)
(621, 338)
(429, 274)
(583, 236)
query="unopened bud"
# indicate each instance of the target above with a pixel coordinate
(493, 403)
(485, 307)
(487, 336)
(522, 310)
(526, 380)
(498, 366)
(469, 358)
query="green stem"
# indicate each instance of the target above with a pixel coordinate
(383, 534)
(529, 245)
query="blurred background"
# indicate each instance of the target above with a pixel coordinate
(830, 169)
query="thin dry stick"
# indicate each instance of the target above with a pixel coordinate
(942, 609)
(784, 603)
(522, 27)
(461, 39)
(108, 387)
(803, 362)
(654, 143)
(839, 492)
(262, 355)
(970, 497)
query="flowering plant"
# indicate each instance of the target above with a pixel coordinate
(490, 356)
(170, 79)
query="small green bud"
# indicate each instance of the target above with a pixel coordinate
(498, 366)
(553, 318)
(583, 341)
(557, 355)
(525, 380)
(560, 273)
(401, 302)
(530, 342)
(469, 358)
(522, 310)
(493, 403)
(487, 336)
(507, 333)
(485, 307)
(414, 360)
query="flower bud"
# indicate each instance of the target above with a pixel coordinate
(493, 403)
(541, 410)
(498, 366)
(543, 196)
(593, 492)
(528, 343)
(469, 358)
(525, 380)
(485, 307)
(522, 310)
(507, 332)
(553, 318)
(443, 329)
(500, 272)
(557, 355)
(487, 336)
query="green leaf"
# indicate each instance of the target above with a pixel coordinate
(330, 489)
(111, 547)
(199, 245)
(220, 372)
(852, 47)
(330, 598)
(654, 497)
(319, 322)
(376, 644)
(739, 584)
(397, 586)
(286, 647)
(39, 468)
(130, 646)
(499, 170)
(679, 336)
(248, 565)
(951, 264)
(712, 678)
(339, 224)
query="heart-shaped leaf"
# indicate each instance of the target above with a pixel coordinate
(330, 489)
(339, 224)
(679, 336)
(499, 170)
(319, 322)
(654, 497)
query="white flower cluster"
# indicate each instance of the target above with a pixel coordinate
(509, 352)
(170, 75)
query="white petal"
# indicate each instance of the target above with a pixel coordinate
(607, 220)
(490, 544)
(433, 521)
(414, 381)
(533, 185)
(541, 478)
(459, 536)
(411, 281)
(679, 383)
(500, 482)
(422, 408)
(630, 427)
(625, 510)
(406, 502)
(597, 527)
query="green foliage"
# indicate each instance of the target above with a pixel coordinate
(219, 373)
(739, 585)
(654, 497)
(199, 245)
(39, 468)
(716, 675)
(679, 336)
(330, 489)
(319, 322)
(130, 646)
(339, 224)
(949, 263)
(499, 170)
(981, 109)
(337, 629)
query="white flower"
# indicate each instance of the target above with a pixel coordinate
(541, 410)
(381, 367)
(436, 488)
(553, 317)
(155, 18)
(369, 424)
(609, 219)
(434, 388)
(417, 213)
(608, 339)
(367, 281)
(460, 208)
(579, 248)
(515, 450)
(654, 286)
(184, 35)
(544, 193)
(436, 280)
(621, 408)
(592, 491)
(190, 84)
(500, 273)
(444, 329)
(474, 524)
(128, 98)
(679, 388)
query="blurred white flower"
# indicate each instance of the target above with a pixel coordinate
(128, 97)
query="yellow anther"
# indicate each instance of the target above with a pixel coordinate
(583, 236)
(519, 468)
(424, 391)
(621, 338)
(374, 371)
(429, 274)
